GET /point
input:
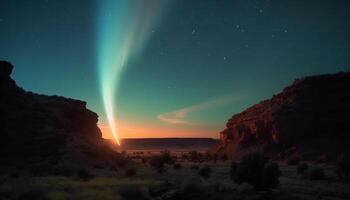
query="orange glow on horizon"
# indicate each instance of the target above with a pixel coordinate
(146, 131)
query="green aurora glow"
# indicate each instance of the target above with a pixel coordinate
(124, 29)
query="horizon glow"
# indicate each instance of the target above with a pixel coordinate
(124, 27)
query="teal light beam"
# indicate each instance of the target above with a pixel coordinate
(124, 27)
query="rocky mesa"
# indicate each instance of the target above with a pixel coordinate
(35, 127)
(309, 118)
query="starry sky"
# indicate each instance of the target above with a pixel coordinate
(197, 63)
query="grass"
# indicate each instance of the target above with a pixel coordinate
(105, 184)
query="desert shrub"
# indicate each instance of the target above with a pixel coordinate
(205, 172)
(120, 160)
(195, 156)
(270, 175)
(84, 175)
(255, 170)
(177, 166)
(293, 160)
(317, 173)
(132, 193)
(195, 167)
(130, 172)
(343, 167)
(302, 168)
(184, 156)
(157, 163)
(166, 157)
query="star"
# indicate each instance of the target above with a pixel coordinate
(193, 31)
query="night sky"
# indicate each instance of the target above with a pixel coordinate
(191, 64)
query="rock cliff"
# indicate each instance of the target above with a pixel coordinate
(310, 117)
(35, 127)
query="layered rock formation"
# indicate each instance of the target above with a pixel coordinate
(34, 127)
(311, 117)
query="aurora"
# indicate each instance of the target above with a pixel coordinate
(124, 27)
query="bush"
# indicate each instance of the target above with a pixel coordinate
(195, 167)
(271, 174)
(302, 168)
(130, 172)
(120, 160)
(132, 193)
(343, 167)
(317, 173)
(293, 160)
(166, 157)
(205, 172)
(177, 166)
(157, 163)
(255, 170)
(84, 175)
(195, 156)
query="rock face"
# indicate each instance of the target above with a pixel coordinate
(310, 117)
(36, 126)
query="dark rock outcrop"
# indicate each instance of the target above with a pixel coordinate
(35, 127)
(310, 118)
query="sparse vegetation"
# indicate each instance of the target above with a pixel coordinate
(255, 170)
(195, 156)
(157, 163)
(106, 183)
(271, 175)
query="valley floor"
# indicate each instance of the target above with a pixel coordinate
(171, 184)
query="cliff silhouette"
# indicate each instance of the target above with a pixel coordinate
(37, 127)
(309, 118)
